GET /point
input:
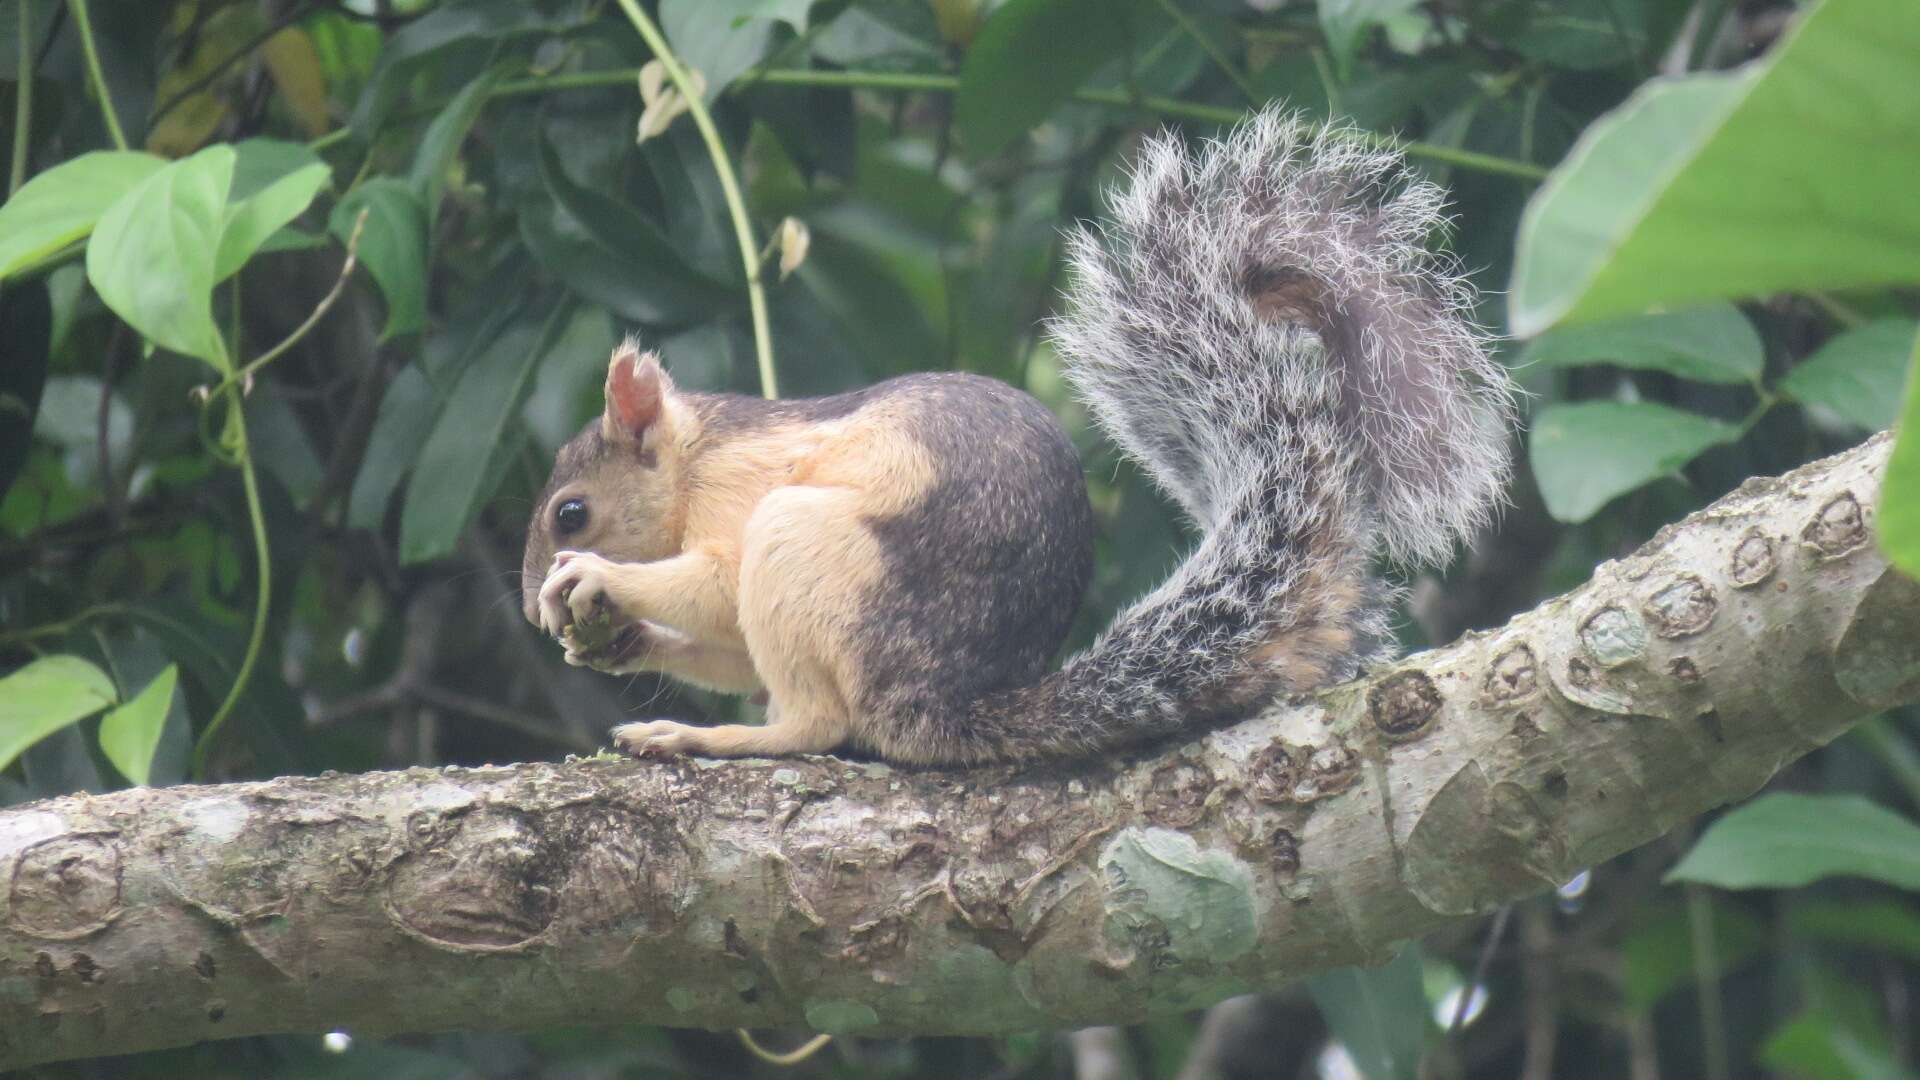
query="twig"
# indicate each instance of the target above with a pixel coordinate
(1542, 1004)
(736, 206)
(1706, 968)
(1480, 967)
(84, 26)
(244, 376)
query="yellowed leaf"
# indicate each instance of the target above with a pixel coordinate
(294, 64)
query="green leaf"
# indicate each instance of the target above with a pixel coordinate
(1710, 344)
(607, 252)
(260, 162)
(449, 482)
(1658, 953)
(60, 206)
(1795, 174)
(1859, 373)
(409, 51)
(393, 246)
(152, 256)
(1584, 455)
(252, 221)
(130, 733)
(441, 143)
(1346, 23)
(1885, 926)
(1818, 1047)
(722, 39)
(1029, 56)
(1899, 518)
(45, 696)
(1378, 1014)
(1783, 841)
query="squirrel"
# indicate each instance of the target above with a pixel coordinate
(1262, 327)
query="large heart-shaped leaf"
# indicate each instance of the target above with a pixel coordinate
(1795, 174)
(62, 204)
(45, 696)
(152, 257)
(130, 734)
(253, 220)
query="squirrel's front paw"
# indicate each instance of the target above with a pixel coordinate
(657, 738)
(575, 588)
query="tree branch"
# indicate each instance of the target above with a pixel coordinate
(849, 897)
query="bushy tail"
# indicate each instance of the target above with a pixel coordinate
(1265, 330)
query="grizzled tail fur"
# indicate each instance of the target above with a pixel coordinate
(1264, 328)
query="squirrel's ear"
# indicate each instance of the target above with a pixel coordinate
(637, 389)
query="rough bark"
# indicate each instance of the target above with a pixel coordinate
(853, 897)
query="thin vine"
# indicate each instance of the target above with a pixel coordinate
(736, 206)
(84, 27)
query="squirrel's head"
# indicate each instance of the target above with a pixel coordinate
(618, 487)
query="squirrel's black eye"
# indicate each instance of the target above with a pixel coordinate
(571, 517)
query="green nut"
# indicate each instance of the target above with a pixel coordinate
(591, 634)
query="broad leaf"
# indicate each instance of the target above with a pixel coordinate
(1585, 455)
(1899, 518)
(408, 51)
(393, 247)
(1029, 56)
(1711, 344)
(152, 255)
(1740, 185)
(1783, 841)
(252, 221)
(130, 733)
(61, 205)
(449, 482)
(607, 252)
(45, 696)
(1859, 373)
(722, 39)
(1378, 1014)
(1346, 22)
(441, 143)
(1819, 1047)
(258, 163)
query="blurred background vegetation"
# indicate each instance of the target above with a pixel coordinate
(260, 518)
